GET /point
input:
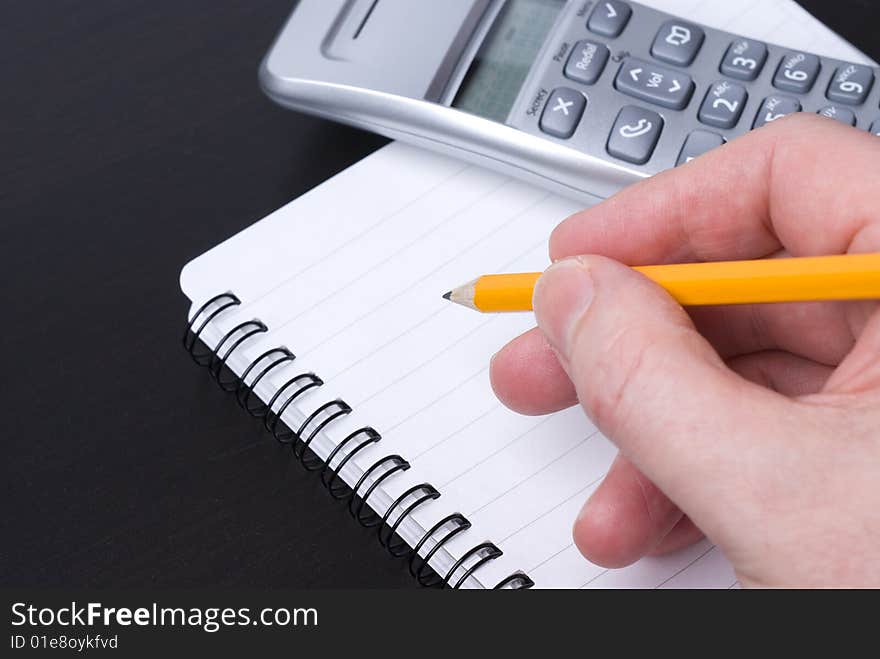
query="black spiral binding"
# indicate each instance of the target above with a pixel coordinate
(404, 506)
(426, 492)
(419, 565)
(246, 391)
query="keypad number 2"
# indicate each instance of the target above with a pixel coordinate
(731, 106)
(723, 105)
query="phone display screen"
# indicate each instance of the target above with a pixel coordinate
(505, 57)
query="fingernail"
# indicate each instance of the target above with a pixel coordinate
(562, 296)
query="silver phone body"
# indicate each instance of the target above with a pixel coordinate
(398, 76)
(398, 67)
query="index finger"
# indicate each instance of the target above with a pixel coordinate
(805, 184)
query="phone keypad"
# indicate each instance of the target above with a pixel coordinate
(655, 84)
(678, 43)
(609, 18)
(797, 73)
(776, 107)
(615, 53)
(635, 134)
(843, 115)
(724, 104)
(586, 62)
(744, 59)
(563, 112)
(851, 84)
(698, 143)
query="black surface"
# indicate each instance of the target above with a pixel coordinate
(133, 138)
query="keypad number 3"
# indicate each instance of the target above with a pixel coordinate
(744, 59)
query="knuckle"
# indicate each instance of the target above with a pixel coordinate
(801, 134)
(795, 126)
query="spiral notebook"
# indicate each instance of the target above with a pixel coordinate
(325, 321)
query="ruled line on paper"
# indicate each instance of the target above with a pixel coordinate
(354, 239)
(556, 507)
(533, 475)
(430, 274)
(456, 432)
(432, 315)
(496, 453)
(550, 557)
(602, 573)
(686, 567)
(392, 255)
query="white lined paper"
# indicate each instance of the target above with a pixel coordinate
(349, 277)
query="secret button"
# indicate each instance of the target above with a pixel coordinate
(563, 112)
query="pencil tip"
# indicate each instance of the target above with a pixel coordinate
(447, 296)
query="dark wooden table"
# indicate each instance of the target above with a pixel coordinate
(133, 138)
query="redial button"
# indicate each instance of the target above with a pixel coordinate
(587, 61)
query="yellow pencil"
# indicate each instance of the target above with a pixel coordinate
(844, 277)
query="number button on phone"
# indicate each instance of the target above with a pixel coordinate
(678, 43)
(851, 84)
(744, 59)
(698, 143)
(842, 115)
(587, 61)
(635, 135)
(875, 128)
(609, 18)
(774, 108)
(563, 112)
(797, 73)
(655, 84)
(723, 105)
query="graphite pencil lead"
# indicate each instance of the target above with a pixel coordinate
(447, 296)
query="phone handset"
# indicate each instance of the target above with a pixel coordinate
(642, 127)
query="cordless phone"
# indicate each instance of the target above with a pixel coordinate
(581, 97)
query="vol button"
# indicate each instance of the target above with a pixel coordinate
(655, 84)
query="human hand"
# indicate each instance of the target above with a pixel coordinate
(757, 425)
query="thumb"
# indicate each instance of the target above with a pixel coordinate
(650, 381)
